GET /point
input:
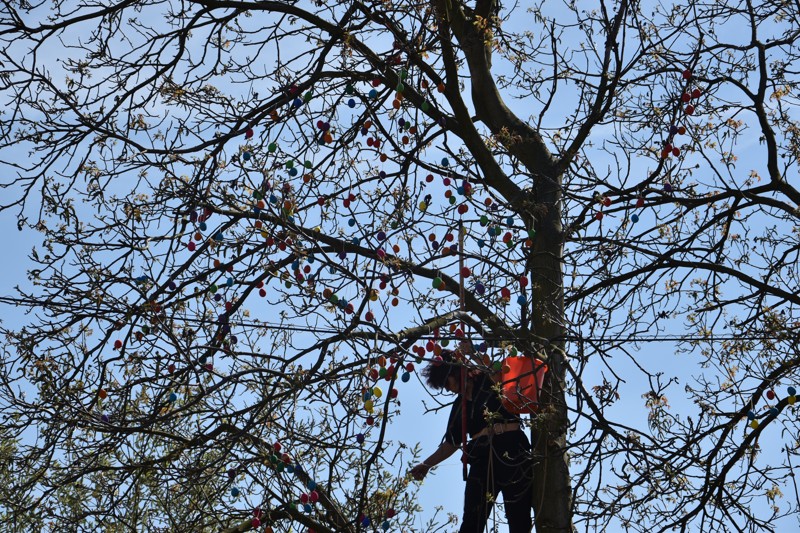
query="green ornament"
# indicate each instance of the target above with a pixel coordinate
(394, 224)
(334, 299)
(403, 74)
(484, 220)
(382, 372)
(308, 96)
(531, 233)
(290, 164)
(510, 243)
(513, 351)
(437, 282)
(445, 342)
(272, 147)
(425, 106)
(452, 200)
(213, 288)
(497, 366)
(349, 89)
(308, 164)
(400, 87)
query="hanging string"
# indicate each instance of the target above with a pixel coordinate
(462, 306)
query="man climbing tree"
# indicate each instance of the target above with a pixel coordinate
(499, 454)
(248, 223)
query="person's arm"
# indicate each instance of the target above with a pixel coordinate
(444, 451)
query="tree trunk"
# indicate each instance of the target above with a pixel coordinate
(552, 491)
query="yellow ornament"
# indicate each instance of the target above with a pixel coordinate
(754, 424)
(377, 392)
(791, 399)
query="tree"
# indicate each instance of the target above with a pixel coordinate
(251, 213)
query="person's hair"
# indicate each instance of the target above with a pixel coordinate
(436, 374)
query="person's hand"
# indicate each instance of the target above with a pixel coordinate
(420, 471)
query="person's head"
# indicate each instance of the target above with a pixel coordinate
(445, 374)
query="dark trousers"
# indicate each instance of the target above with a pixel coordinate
(499, 463)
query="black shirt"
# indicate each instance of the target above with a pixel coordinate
(484, 408)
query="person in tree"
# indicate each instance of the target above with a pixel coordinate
(498, 452)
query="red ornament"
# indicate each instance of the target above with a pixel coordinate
(685, 97)
(689, 109)
(117, 344)
(599, 215)
(171, 368)
(640, 202)
(370, 420)
(249, 133)
(465, 272)
(255, 522)
(696, 93)
(687, 74)
(681, 130)
(369, 317)
(770, 394)
(676, 151)
(606, 201)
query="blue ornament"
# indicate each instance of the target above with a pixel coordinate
(445, 162)
(521, 299)
(351, 103)
(634, 218)
(791, 391)
(173, 397)
(203, 226)
(373, 93)
(312, 485)
(235, 492)
(405, 377)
